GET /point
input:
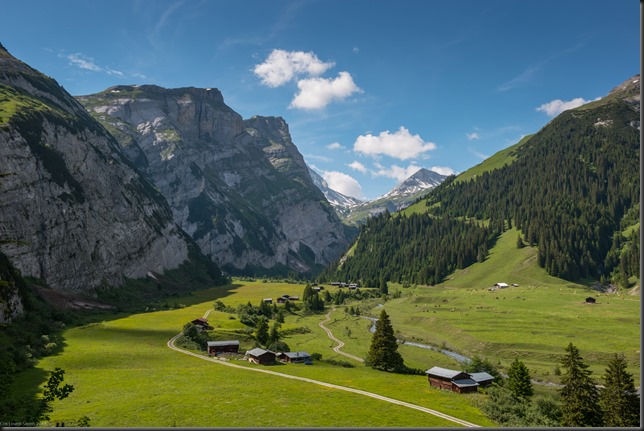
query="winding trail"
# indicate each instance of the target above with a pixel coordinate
(436, 413)
(331, 336)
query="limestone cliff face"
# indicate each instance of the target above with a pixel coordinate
(239, 187)
(73, 209)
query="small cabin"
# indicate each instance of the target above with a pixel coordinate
(501, 285)
(590, 300)
(294, 357)
(202, 323)
(260, 356)
(268, 300)
(216, 347)
(455, 381)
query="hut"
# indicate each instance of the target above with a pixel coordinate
(216, 347)
(590, 300)
(260, 356)
(294, 357)
(455, 381)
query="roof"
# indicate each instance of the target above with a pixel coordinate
(443, 372)
(465, 383)
(201, 319)
(258, 352)
(481, 377)
(223, 343)
(502, 284)
(293, 355)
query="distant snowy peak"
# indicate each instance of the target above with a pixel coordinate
(335, 198)
(424, 179)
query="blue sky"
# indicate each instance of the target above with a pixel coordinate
(371, 90)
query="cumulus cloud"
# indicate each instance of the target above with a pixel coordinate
(316, 93)
(356, 165)
(472, 136)
(400, 144)
(334, 146)
(443, 170)
(557, 106)
(343, 183)
(282, 66)
(398, 173)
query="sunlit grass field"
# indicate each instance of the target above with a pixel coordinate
(125, 376)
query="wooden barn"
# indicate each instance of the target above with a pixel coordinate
(202, 323)
(590, 300)
(260, 356)
(294, 357)
(215, 347)
(455, 381)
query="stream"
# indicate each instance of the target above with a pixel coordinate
(457, 356)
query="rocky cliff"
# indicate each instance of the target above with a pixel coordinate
(239, 187)
(73, 210)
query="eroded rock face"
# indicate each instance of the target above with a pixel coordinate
(73, 210)
(239, 187)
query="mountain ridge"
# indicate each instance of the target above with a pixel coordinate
(239, 188)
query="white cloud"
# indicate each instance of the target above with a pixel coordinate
(343, 183)
(316, 93)
(356, 165)
(334, 146)
(396, 172)
(443, 170)
(472, 136)
(401, 144)
(282, 66)
(87, 63)
(557, 106)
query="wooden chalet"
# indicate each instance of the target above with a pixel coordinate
(216, 347)
(590, 300)
(294, 357)
(202, 323)
(455, 381)
(260, 356)
(268, 300)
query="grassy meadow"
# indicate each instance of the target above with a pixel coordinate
(125, 376)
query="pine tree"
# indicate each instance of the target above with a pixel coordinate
(519, 380)
(261, 333)
(579, 395)
(383, 353)
(618, 399)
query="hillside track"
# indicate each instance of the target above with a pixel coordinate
(447, 417)
(332, 337)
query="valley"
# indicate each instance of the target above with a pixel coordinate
(143, 383)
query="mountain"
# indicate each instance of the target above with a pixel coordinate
(571, 189)
(397, 198)
(341, 203)
(421, 181)
(239, 188)
(74, 212)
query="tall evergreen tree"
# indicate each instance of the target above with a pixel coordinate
(618, 399)
(519, 380)
(579, 395)
(261, 332)
(383, 352)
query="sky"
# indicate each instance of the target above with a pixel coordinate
(372, 90)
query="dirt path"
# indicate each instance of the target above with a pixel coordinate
(320, 383)
(340, 343)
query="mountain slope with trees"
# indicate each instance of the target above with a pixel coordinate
(572, 190)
